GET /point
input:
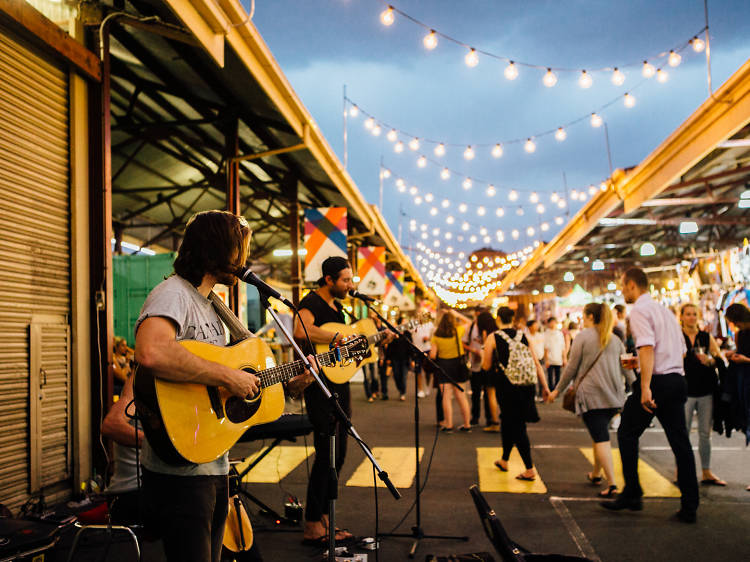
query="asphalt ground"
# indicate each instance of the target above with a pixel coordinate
(565, 519)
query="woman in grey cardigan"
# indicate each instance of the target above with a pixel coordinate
(595, 356)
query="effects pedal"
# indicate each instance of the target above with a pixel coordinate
(293, 510)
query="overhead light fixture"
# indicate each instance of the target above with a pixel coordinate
(648, 249)
(688, 227)
(611, 286)
(568, 277)
(549, 289)
(597, 265)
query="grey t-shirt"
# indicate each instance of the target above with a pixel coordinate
(195, 319)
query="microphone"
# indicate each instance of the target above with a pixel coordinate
(245, 274)
(360, 296)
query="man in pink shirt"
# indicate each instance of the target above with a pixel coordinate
(659, 391)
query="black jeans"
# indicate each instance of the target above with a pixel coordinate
(553, 376)
(478, 384)
(513, 432)
(400, 368)
(188, 513)
(670, 393)
(322, 419)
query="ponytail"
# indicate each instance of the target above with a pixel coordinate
(603, 321)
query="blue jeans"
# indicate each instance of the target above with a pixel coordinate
(705, 407)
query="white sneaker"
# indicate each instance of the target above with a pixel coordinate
(420, 394)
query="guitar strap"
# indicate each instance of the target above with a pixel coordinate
(237, 330)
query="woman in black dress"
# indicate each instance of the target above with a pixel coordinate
(517, 404)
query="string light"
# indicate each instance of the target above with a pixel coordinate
(429, 197)
(398, 147)
(387, 17)
(469, 153)
(618, 78)
(471, 58)
(353, 111)
(414, 144)
(511, 72)
(422, 161)
(462, 208)
(629, 100)
(481, 211)
(662, 75)
(596, 120)
(376, 130)
(513, 195)
(445, 204)
(585, 81)
(550, 78)
(515, 234)
(386, 173)
(445, 173)
(490, 191)
(534, 198)
(698, 44)
(497, 150)
(440, 150)
(369, 123)
(529, 146)
(540, 208)
(430, 40)
(499, 212)
(466, 184)
(674, 59)
(560, 134)
(648, 69)
(392, 135)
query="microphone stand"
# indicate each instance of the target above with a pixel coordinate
(417, 533)
(341, 418)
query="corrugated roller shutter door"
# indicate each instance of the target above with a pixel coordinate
(34, 268)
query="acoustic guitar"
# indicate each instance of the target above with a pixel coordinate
(193, 423)
(342, 372)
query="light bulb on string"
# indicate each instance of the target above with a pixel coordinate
(618, 78)
(487, 239)
(499, 212)
(369, 123)
(434, 211)
(402, 188)
(648, 69)
(490, 191)
(534, 198)
(465, 226)
(413, 190)
(499, 235)
(520, 211)
(582, 196)
(386, 173)
(398, 147)
(603, 186)
(445, 204)
(481, 211)
(353, 111)
(544, 226)
(561, 203)
(472, 58)
(540, 208)
(418, 200)
(512, 195)
(414, 144)
(558, 221)
(584, 80)
(376, 130)
(430, 40)
(529, 146)
(450, 220)
(592, 189)
(550, 78)
(515, 234)
(462, 208)
(440, 150)
(445, 173)
(662, 75)
(400, 184)
(469, 153)
(497, 150)
(554, 197)
(674, 59)
(473, 240)
(596, 120)
(530, 231)
(628, 100)
(422, 161)
(429, 197)
(466, 184)
(574, 195)
(698, 44)
(560, 134)
(511, 72)
(392, 135)
(448, 235)
(483, 232)
(387, 17)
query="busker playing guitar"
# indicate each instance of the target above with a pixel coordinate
(187, 504)
(317, 308)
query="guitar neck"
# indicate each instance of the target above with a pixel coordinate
(282, 373)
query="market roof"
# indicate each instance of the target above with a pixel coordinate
(698, 174)
(175, 96)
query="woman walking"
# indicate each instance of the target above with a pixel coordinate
(595, 367)
(738, 317)
(517, 405)
(448, 352)
(700, 374)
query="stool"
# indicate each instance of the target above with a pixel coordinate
(110, 532)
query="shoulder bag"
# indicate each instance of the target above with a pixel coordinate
(569, 398)
(462, 369)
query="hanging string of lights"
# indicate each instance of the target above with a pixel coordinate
(649, 65)
(496, 149)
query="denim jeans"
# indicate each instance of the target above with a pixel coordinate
(705, 407)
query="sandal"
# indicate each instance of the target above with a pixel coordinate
(713, 482)
(342, 536)
(526, 478)
(610, 492)
(498, 465)
(595, 480)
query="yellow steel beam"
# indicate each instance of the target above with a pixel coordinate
(266, 153)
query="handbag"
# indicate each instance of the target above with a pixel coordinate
(569, 398)
(462, 370)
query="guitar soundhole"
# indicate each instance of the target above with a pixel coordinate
(238, 410)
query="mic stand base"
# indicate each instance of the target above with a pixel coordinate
(417, 533)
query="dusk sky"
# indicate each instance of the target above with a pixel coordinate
(324, 45)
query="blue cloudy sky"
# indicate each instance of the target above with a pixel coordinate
(323, 45)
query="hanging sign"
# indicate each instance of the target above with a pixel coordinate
(394, 288)
(325, 236)
(371, 270)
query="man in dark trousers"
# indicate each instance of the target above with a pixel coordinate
(659, 391)
(317, 308)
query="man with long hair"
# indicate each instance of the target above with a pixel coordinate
(188, 504)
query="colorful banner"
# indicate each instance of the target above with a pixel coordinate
(325, 236)
(409, 296)
(371, 270)
(394, 288)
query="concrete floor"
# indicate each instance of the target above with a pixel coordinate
(566, 519)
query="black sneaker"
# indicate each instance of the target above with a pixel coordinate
(633, 504)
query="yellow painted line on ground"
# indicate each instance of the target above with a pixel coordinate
(492, 479)
(275, 465)
(398, 462)
(653, 483)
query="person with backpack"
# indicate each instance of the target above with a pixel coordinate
(516, 370)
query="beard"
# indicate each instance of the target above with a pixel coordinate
(226, 278)
(339, 293)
